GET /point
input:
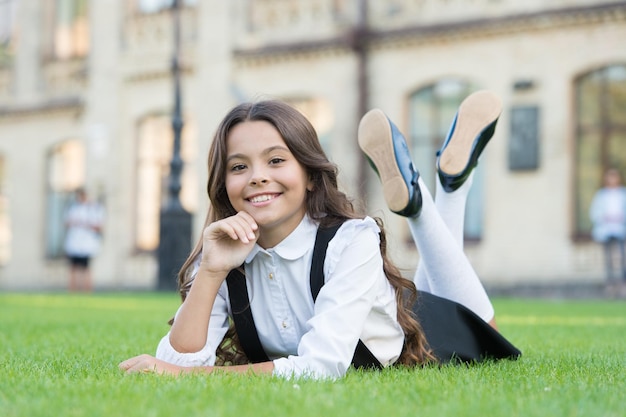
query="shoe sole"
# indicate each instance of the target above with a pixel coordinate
(475, 113)
(376, 141)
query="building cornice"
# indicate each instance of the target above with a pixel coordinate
(523, 22)
(160, 74)
(67, 105)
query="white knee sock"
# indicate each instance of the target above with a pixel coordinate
(444, 269)
(451, 208)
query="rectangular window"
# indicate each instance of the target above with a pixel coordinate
(154, 154)
(8, 10)
(155, 6)
(524, 141)
(70, 29)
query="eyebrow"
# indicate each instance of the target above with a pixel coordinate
(265, 152)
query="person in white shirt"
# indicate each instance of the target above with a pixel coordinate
(83, 222)
(608, 216)
(272, 191)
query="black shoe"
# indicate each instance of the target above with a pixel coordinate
(388, 154)
(472, 127)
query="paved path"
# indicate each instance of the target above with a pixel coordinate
(560, 291)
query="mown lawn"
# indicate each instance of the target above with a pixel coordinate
(60, 354)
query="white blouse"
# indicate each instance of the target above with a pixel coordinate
(305, 338)
(81, 238)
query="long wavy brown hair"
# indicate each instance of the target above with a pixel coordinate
(324, 203)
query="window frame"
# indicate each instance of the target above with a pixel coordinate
(604, 130)
(189, 177)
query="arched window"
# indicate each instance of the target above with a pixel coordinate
(154, 153)
(431, 111)
(66, 173)
(600, 135)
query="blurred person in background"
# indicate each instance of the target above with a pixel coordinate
(608, 215)
(83, 221)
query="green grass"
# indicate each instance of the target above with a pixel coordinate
(60, 354)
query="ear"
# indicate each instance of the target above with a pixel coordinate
(310, 186)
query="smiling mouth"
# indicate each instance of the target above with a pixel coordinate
(262, 198)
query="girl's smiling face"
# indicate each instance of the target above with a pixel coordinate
(264, 179)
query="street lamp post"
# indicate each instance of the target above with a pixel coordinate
(360, 39)
(175, 221)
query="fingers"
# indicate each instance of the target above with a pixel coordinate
(137, 364)
(240, 227)
(227, 242)
(146, 364)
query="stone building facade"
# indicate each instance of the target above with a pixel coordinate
(86, 99)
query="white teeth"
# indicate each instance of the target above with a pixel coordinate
(261, 198)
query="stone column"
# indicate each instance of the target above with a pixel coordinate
(103, 142)
(213, 98)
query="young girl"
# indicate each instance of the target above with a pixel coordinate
(304, 278)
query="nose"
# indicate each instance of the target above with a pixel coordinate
(258, 177)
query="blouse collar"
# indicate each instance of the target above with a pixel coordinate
(293, 246)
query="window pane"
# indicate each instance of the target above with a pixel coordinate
(449, 94)
(421, 114)
(588, 94)
(617, 94)
(423, 133)
(589, 178)
(7, 17)
(154, 153)
(155, 142)
(617, 150)
(71, 31)
(66, 166)
(155, 6)
(7, 22)
(66, 172)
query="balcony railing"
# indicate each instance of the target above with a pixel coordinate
(65, 78)
(267, 22)
(149, 34)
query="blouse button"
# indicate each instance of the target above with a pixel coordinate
(284, 324)
(271, 276)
